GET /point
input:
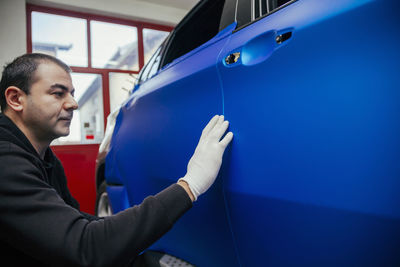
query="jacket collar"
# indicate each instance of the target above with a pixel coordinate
(11, 133)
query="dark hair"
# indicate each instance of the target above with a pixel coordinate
(21, 73)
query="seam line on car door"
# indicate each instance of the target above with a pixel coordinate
(223, 188)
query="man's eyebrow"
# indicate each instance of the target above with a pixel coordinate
(59, 86)
(62, 87)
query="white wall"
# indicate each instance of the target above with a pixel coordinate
(129, 9)
(12, 30)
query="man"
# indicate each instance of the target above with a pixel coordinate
(40, 221)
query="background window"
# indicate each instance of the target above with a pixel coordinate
(114, 46)
(152, 39)
(120, 86)
(52, 34)
(87, 126)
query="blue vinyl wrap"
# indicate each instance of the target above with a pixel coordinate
(312, 176)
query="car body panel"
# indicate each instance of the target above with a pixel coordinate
(312, 174)
(155, 111)
(315, 161)
(118, 197)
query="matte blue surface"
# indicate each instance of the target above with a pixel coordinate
(154, 139)
(312, 177)
(118, 197)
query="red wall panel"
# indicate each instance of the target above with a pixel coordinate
(79, 163)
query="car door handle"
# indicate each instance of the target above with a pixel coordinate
(259, 48)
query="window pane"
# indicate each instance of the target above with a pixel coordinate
(243, 15)
(152, 39)
(188, 35)
(53, 34)
(87, 125)
(274, 4)
(256, 8)
(114, 46)
(151, 67)
(120, 85)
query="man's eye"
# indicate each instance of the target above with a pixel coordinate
(58, 93)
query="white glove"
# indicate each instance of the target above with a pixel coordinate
(206, 161)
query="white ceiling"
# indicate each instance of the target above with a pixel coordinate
(181, 4)
(167, 12)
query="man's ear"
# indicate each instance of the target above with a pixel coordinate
(15, 98)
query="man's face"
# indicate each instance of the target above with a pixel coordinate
(49, 105)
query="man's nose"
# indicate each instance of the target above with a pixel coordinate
(71, 103)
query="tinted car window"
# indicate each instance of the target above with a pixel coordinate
(274, 4)
(247, 11)
(228, 14)
(197, 28)
(243, 13)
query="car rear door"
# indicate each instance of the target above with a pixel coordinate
(158, 129)
(312, 94)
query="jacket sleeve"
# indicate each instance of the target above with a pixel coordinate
(35, 219)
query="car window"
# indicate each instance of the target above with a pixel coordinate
(151, 67)
(199, 26)
(243, 12)
(248, 11)
(154, 67)
(228, 14)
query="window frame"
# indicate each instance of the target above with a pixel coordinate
(254, 18)
(146, 70)
(227, 18)
(189, 16)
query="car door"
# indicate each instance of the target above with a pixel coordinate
(312, 94)
(158, 129)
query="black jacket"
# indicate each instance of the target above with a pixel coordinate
(40, 222)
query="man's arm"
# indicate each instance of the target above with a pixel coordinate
(36, 220)
(185, 186)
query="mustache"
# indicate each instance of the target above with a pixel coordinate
(66, 116)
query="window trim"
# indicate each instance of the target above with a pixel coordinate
(260, 17)
(171, 36)
(149, 66)
(89, 17)
(228, 15)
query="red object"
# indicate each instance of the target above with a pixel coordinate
(79, 160)
(79, 164)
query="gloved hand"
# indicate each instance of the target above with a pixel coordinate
(206, 161)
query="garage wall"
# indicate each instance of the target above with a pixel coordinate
(12, 30)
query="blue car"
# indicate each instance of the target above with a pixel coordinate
(311, 89)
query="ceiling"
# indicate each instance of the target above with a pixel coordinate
(166, 12)
(181, 4)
